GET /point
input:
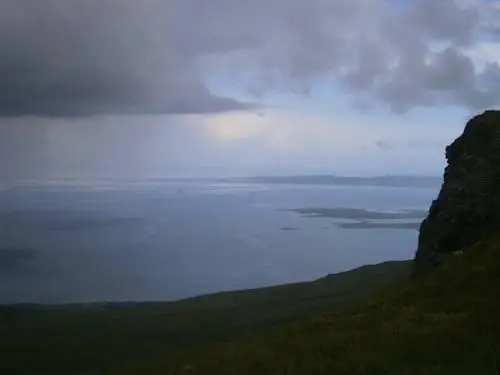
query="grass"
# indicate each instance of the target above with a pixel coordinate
(447, 323)
(73, 339)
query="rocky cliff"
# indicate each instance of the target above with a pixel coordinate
(468, 205)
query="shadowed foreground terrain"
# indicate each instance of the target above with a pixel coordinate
(71, 339)
(446, 323)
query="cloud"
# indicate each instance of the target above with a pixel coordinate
(290, 142)
(90, 57)
(384, 145)
(400, 54)
(115, 147)
(286, 133)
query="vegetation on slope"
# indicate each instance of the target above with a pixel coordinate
(445, 323)
(82, 338)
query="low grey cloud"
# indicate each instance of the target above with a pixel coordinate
(384, 145)
(88, 57)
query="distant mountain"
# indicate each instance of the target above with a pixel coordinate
(390, 180)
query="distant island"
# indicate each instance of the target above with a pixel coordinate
(366, 219)
(390, 180)
(360, 214)
(371, 225)
(387, 180)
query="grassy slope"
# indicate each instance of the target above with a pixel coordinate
(73, 338)
(447, 323)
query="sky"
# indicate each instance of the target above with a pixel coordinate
(127, 89)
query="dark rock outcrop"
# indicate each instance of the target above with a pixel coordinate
(468, 205)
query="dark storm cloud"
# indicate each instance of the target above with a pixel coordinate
(87, 57)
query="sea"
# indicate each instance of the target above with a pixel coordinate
(177, 239)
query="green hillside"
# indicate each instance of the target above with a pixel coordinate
(446, 323)
(82, 338)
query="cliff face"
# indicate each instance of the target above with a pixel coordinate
(468, 205)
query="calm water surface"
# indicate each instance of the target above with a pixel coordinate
(175, 240)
